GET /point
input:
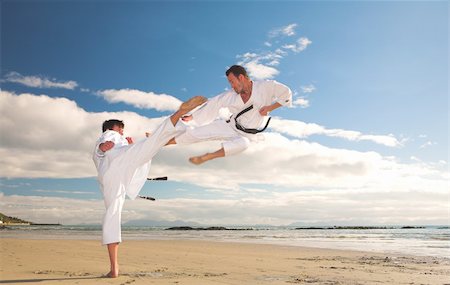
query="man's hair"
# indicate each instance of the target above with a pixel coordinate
(236, 70)
(109, 124)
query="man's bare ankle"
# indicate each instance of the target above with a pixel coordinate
(112, 274)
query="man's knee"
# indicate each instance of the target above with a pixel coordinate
(236, 146)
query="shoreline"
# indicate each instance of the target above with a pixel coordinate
(210, 262)
(431, 241)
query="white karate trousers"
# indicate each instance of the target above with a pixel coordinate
(234, 141)
(126, 174)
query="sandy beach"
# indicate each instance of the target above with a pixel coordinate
(198, 262)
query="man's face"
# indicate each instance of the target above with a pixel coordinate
(236, 83)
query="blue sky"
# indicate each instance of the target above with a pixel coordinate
(366, 141)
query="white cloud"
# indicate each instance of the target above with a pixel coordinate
(63, 192)
(39, 82)
(260, 71)
(62, 143)
(53, 209)
(301, 44)
(427, 144)
(308, 88)
(415, 159)
(331, 207)
(301, 130)
(140, 99)
(302, 102)
(288, 31)
(248, 56)
(300, 165)
(53, 137)
(296, 164)
(262, 65)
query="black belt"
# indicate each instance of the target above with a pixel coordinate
(244, 129)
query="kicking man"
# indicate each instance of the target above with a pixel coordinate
(248, 101)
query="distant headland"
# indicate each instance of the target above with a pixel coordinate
(13, 221)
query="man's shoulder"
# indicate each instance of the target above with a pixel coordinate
(270, 83)
(226, 93)
(266, 82)
(263, 84)
(225, 97)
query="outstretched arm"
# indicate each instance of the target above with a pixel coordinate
(264, 111)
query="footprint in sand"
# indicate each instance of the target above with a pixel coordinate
(128, 282)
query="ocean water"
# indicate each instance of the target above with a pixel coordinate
(427, 241)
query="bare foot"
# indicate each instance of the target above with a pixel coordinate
(112, 274)
(192, 103)
(197, 159)
(186, 107)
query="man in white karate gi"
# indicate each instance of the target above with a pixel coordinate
(248, 101)
(123, 167)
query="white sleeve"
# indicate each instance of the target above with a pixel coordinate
(98, 152)
(102, 139)
(98, 155)
(210, 111)
(108, 135)
(282, 94)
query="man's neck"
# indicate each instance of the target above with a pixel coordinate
(247, 92)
